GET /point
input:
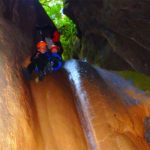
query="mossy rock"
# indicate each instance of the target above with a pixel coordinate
(139, 80)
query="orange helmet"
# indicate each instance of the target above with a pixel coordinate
(40, 44)
(54, 48)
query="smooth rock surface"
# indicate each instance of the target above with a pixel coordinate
(113, 29)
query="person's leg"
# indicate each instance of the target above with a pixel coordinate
(42, 62)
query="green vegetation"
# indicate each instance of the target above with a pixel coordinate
(140, 80)
(65, 26)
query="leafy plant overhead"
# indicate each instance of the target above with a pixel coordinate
(66, 27)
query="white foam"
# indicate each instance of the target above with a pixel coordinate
(83, 102)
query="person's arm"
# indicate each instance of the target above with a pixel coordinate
(35, 55)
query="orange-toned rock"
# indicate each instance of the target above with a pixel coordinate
(43, 115)
(60, 127)
(111, 122)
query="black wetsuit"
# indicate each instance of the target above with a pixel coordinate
(38, 59)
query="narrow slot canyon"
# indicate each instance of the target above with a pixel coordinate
(82, 106)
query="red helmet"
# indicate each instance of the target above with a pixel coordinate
(56, 37)
(41, 44)
(54, 48)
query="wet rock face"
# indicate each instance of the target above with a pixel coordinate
(21, 13)
(17, 23)
(25, 14)
(123, 24)
(15, 31)
(147, 129)
(14, 95)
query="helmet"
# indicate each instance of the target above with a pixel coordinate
(54, 48)
(56, 36)
(40, 44)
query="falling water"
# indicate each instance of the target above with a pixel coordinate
(82, 103)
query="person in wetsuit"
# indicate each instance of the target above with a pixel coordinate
(38, 59)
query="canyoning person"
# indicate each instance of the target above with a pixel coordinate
(54, 57)
(44, 60)
(50, 34)
(56, 49)
(47, 57)
(38, 59)
(56, 41)
(55, 38)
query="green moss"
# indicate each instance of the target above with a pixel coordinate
(139, 80)
(65, 26)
